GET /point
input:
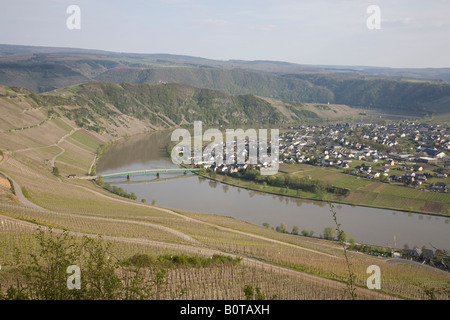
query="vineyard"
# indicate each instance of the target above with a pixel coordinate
(226, 282)
(182, 282)
(37, 203)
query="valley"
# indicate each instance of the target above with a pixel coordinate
(71, 128)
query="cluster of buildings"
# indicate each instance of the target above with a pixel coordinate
(403, 152)
(232, 156)
(418, 150)
(437, 258)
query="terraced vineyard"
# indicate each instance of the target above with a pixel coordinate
(284, 266)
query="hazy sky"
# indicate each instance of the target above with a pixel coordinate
(413, 33)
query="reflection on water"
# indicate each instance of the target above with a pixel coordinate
(193, 193)
(136, 153)
(212, 184)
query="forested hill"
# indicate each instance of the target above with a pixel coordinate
(45, 69)
(415, 96)
(233, 81)
(162, 105)
(411, 96)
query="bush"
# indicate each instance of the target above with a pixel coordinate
(328, 233)
(170, 261)
(46, 276)
(55, 171)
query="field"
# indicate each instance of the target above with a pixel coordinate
(363, 191)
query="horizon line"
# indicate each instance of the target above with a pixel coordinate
(322, 65)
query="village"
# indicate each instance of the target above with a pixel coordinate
(407, 153)
(414, 154)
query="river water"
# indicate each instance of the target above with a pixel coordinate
(193, 193)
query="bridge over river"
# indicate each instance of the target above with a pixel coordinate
(140, 172)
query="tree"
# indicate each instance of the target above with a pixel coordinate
(328, 233)
(352, 242)
(295, 230)
(55, 171)
(305, 232)
(282, 228)
(266, 225)
(342, 236)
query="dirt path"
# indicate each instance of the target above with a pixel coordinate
(62, 149)
(92, 164)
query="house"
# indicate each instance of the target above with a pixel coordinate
(439, 187)
(344, 165)
(72, 176)
(367, 169)
(432, 152)
(409, 174)
(427, 254)
(421, 178)
(409, 177)
(411, 254)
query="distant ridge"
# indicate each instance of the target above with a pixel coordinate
(43, 69)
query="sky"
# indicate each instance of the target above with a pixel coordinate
(411, 34)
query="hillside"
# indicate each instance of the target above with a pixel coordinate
(45, 69)
(36, 135)
(401, 95)
(112, 108)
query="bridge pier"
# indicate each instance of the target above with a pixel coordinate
(128, 177)
(157, 175)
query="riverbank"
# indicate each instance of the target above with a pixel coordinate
(192, 195)
(254, 186)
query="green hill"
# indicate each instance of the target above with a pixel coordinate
(162, 105)
(45, 69)
(233, 81)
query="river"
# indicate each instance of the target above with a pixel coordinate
(193, 193)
